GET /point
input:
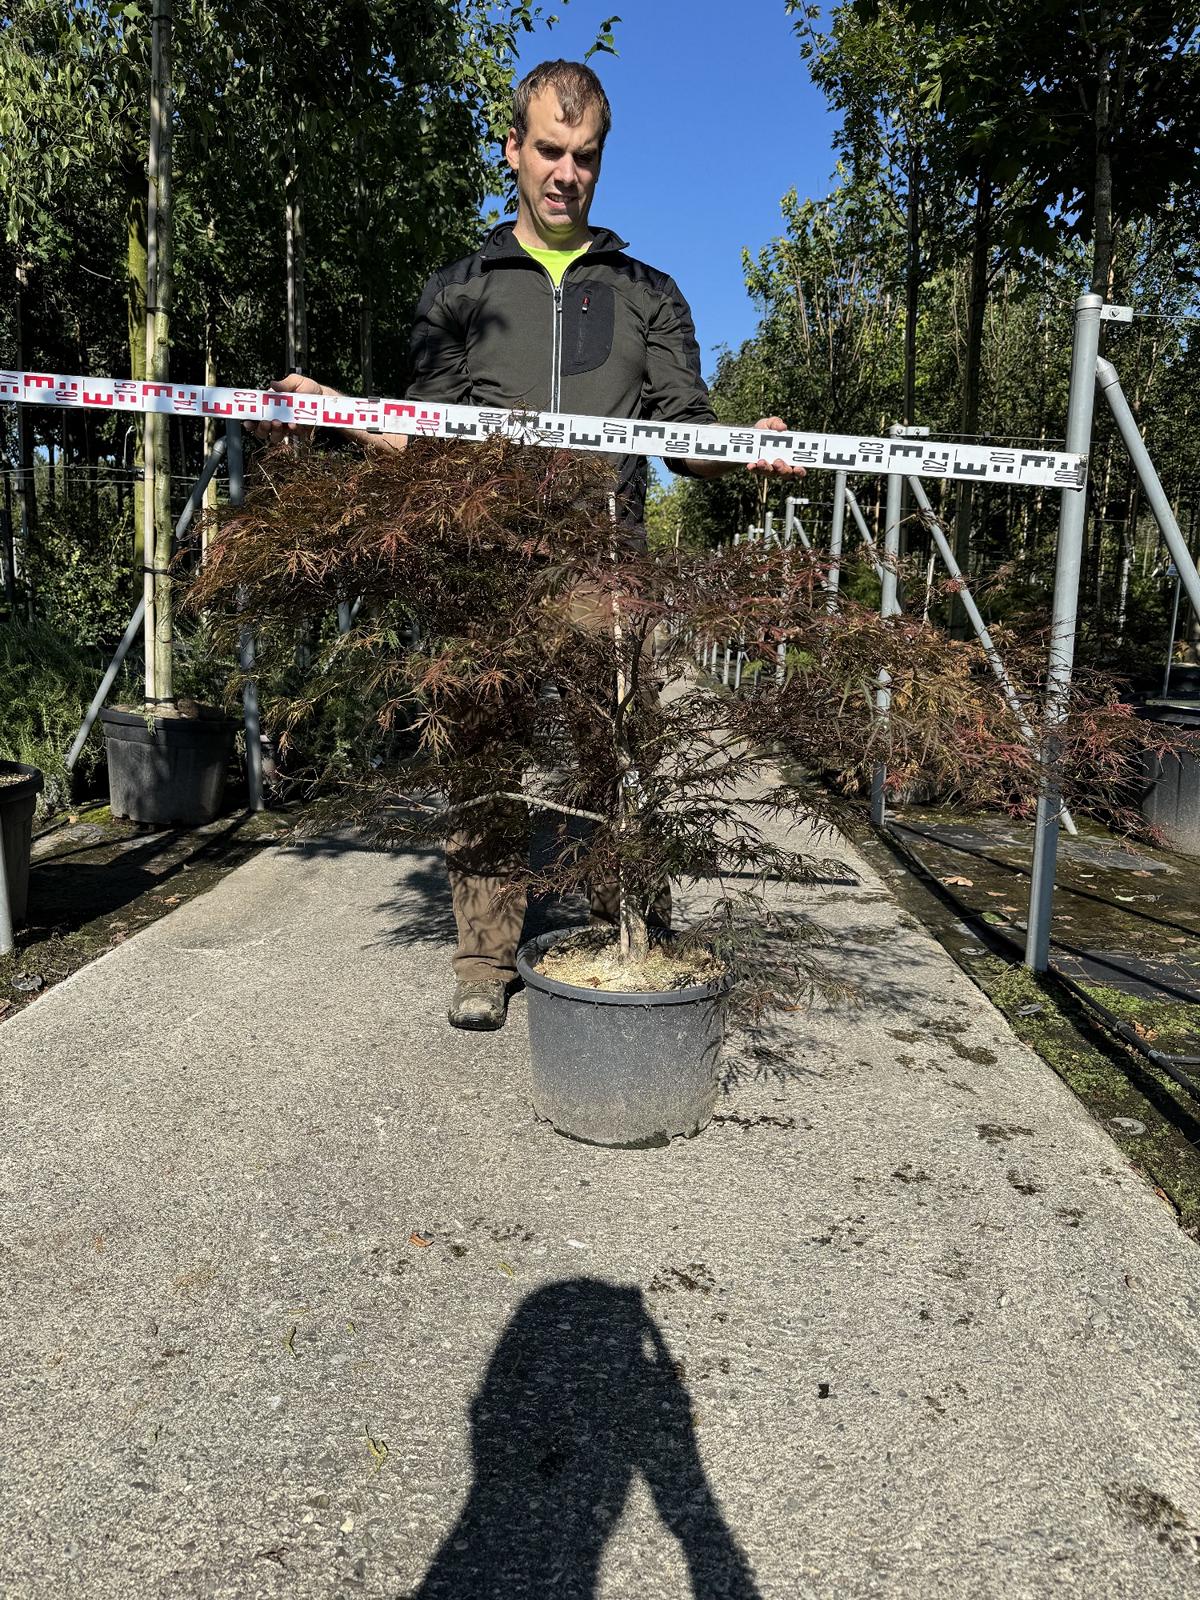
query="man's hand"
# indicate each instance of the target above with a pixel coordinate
(774, 425)
(707, 468)
(292, 384)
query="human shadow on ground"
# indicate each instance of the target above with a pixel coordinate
(579, 1398)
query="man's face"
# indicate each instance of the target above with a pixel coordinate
(556, 166)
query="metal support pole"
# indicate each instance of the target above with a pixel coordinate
(889, 600)
(10, 554)
(864, 533)
(792, 523)
(106, 683)
(889, 606)
(1007, 689)
(781, 647)
(1062, 634)
(1166, 688)
(213, 461)
(250, 716)
(1160, 506)
(215, 456)
(6, 927)
(833, 577)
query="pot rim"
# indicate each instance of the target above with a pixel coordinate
(533, 948)
(35, 782)
(135, 719)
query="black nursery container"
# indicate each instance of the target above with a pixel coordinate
(622, 1069)
(1172, 802)
(18, 801)
(171, 774)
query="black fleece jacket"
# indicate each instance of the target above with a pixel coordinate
(616, 340)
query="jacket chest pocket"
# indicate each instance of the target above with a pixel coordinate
(588, 313)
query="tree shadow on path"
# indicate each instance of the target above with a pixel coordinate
(580, 1396)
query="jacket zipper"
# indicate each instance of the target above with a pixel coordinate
(556, 348)
(556, 338)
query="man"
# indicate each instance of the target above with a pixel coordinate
(551, 315)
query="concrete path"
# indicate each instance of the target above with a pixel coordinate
(901, 1323)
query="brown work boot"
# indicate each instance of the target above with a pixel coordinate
(478, 1005)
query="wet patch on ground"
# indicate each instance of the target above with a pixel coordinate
(746, 1123)
(1001, 1132)
(695, 1279)
(1157, 1515)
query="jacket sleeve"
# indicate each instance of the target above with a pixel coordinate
(674, 390)
(437, 349)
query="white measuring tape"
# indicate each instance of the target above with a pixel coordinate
(833, 452)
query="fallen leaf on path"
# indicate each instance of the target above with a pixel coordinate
(965, 883)
(1143, 1032)
(5, 1005)
(421, 1240)
(379, 1450)
(504, 1267)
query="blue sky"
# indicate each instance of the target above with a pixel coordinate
(714, 119)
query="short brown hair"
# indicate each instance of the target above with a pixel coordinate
(577, 88)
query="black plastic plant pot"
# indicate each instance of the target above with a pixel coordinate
(622, 1069)
(171, 773)
(18, 801)
(1172, 802)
